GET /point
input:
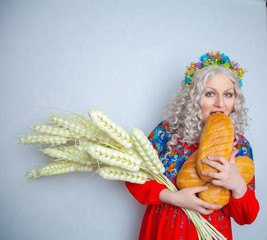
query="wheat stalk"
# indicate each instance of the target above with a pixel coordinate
(103, 143)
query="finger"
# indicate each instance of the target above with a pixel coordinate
(232, 155)
(210, 206)
(217, 182)
(215, 206)
(199, 189)
(221, 159)
(211, 174)
(213, 164)
(205, 211)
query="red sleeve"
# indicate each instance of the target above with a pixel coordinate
(147, 193)
(243, 210)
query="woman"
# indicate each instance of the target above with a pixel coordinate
(211, 85)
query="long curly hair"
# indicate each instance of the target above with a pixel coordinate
(183, 112)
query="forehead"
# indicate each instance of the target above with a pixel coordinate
(220, 81)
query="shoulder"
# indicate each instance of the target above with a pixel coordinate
(160, 136)
(161, 130)
(242, 140)
(164, 125)
(244, 147)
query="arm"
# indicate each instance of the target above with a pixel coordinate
(152, 192)
(243, 205)
(243, 210)
(186, 198)
(147, 193)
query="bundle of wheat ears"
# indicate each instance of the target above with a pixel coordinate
(78, 144)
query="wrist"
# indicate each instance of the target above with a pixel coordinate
(166, 196)
(240, 192)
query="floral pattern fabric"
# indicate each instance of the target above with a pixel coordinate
(174, 160)
(165, 221)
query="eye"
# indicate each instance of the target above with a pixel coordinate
(209, 94)
(229, 95)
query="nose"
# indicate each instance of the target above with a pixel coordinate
(219, 101)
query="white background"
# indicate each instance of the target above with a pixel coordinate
(125, 58)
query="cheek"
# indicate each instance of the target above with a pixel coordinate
(230, 107)
(207, 103)
(206, 108)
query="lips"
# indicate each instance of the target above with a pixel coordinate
(216, 112)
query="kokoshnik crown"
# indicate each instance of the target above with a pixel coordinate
(213, 59)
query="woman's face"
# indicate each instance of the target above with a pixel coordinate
(219, 96)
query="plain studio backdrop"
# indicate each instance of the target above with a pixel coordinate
(125, 58)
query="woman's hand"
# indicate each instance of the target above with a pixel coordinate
(228, 175)
(186, 198)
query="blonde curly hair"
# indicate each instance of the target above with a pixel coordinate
(183, 112)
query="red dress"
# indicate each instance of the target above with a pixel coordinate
(165, 221)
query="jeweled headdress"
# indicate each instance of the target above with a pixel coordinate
(213, 59)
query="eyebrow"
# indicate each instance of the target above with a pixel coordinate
(224, 91)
